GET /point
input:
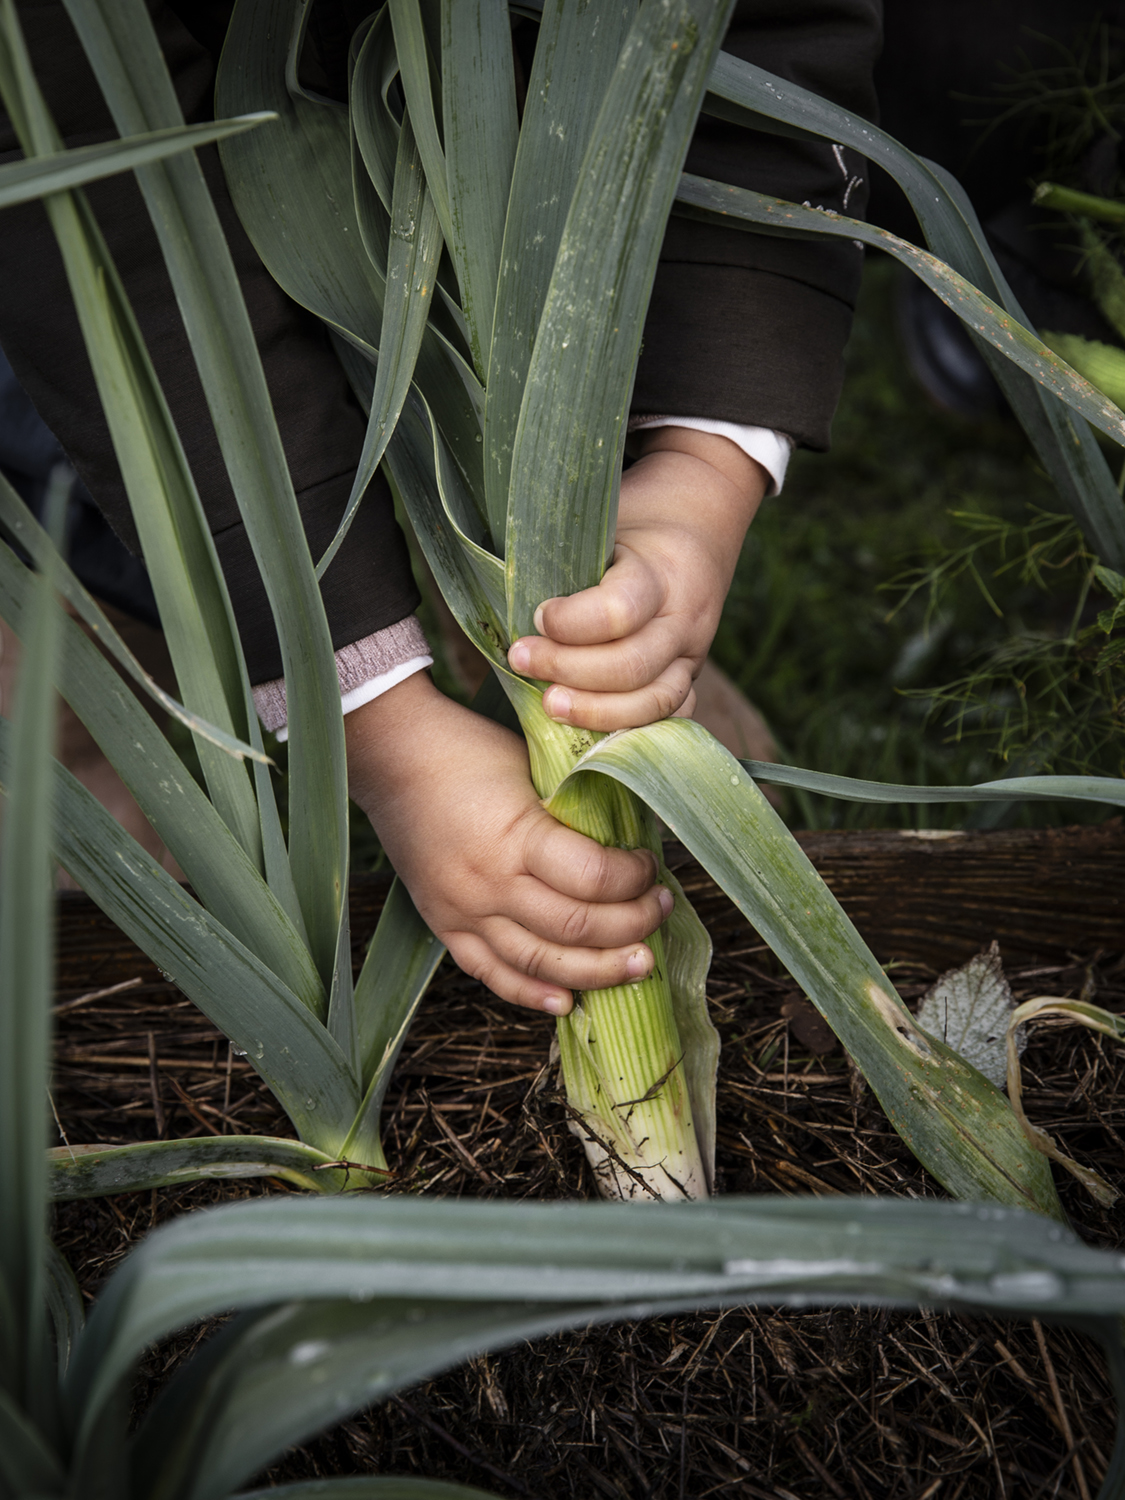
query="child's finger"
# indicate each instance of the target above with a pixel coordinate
(572, 923)
(472, 954)
(627, 597)
(611, 667)
(579, 867)
(557, 964)
(657, 700)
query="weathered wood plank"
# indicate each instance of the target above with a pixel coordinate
(937, 898)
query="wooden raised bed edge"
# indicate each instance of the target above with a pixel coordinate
(929, 898)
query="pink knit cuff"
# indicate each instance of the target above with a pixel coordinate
(391, 654)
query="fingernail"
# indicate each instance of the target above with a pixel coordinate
(557, 703)
(538, 619)
(666, 899)
(557, 1005)
(638, 964)
(519, 656)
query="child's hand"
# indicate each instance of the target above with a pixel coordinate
(529, 907)
(627, 652)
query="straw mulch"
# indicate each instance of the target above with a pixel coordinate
(876, 1405)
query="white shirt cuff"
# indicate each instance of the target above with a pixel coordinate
(365, 670)
(770, 449)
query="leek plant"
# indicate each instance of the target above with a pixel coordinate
(485, 280)
(262, 946)
(469, 309)
(339, 1303)
(342, 1303)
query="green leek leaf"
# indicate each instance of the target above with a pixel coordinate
(468, 578)
(91, 1171)
(418, 72)
(295, 196)
(27, 929)
(64, 1306)
(212, 858)
(571, 433)
(1013, 789)
(957, 1123)
(718, 203)
(373, 122)
(274, 1378)
(22, 525)
(750, 96)
(22, 181)
(480, 150)
(576, 54)
(121, 44)
(415, 249)
(28, 1463)
(401, 961)
(607, 1261)
(287, 1046)
(195, 607)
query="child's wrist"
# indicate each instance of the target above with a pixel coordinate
(694, 481)
(383, 738)
(748, 479)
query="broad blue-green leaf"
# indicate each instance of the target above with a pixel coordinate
(293, 190)
(22, 525)
(396, 973)
(285, 1043)
(27, 930)
(373, 122)
(372, 218)
(718, 203)
(274, 1378)
(29, 1465)
(606, 1261)
(415, 249)
(750, 96)
(565, 461)
(399, 965)
(215, 862)
(575, 56)
(195, 607)
(958, 1124)
(418, 71)
(64, 1306)
(122, 47)
(341, 1021)
(468, 577)
(91, 1171)
(295, 196)
(21, 181)
(481, 130)
(1013, 789)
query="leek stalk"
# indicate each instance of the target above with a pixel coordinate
(623, 1060)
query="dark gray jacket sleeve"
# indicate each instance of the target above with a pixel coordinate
(751, 328)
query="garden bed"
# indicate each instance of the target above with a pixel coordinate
(873, 1403)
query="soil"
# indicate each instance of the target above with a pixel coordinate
(873, 1404)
